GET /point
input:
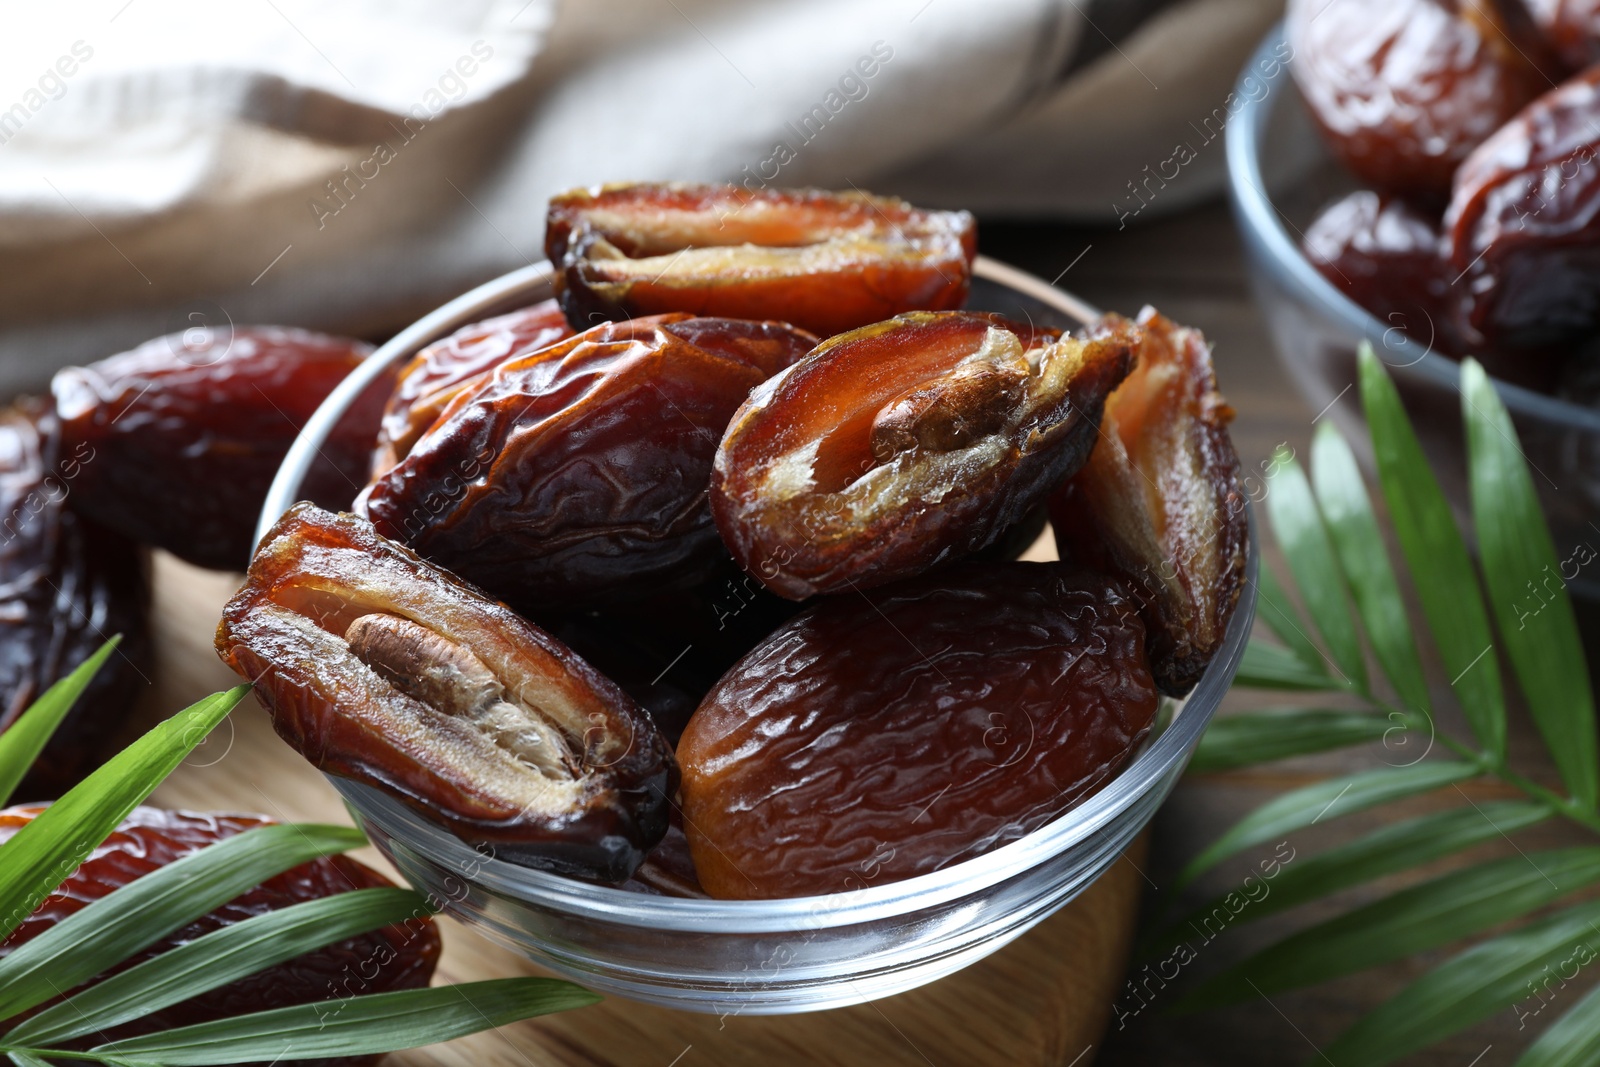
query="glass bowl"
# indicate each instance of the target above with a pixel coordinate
(1279, 176)
(777, 956)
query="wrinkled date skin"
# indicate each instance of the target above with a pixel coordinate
(1159, 503)
(189, 429)
(1524, 224)
(856, 747)
(826, 262)
(150, 838)
(1386, 256)
(906, 444)
(379, 667)
(459, 363)
(1572, 27)
(66, 585)
(1404, 89)
(576, 475)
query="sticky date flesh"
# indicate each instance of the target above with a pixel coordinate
(188, 431)
(826, 262)
(150, 838)
(379, 667)
(1523, 224)
(904, 445)
(459, 363)
(66, 585)
(860, 745)
(1405, 89)
(1159, 504)
(576, 475)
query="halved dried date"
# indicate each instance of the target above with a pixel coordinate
(379, 667)
(1524, 224)
(66, 585)
(864, 744)
(459, 363)
(827, 262)
(1159, 503)
(188, 431)
(1404, 89)
(906, 444)
(396, 957)
(576, 475)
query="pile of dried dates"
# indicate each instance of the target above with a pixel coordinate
(1475, 125)
(701, 578)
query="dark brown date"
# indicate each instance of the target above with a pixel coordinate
(827, 262)
(904, 445)
(1524, 224)
(66, 585)
(459, 363)
(861, 744)
(1387, 256)
(396, 957)
(1159, 503)
(576, 475)
(187, 431)
(379, 667)
(1572, 27)
(1404, 89)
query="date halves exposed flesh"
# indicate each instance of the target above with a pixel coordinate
(859, 744)
(576, 475)
(906, 444)
(1159, 503)
(826, 262)
(379, 667)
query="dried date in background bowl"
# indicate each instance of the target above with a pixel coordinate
(763, 957)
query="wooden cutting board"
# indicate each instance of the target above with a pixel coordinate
(1042, 1000)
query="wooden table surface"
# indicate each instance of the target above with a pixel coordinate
(1190, 267)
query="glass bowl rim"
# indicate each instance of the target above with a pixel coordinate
(1260, 219)
(1161, 759)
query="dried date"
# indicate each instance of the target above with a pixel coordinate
(1387, 256)
(1572, 27)
(906, 444)
(380, 667)
(1404, 89)
(960, 711)
(827, 262)
(66, 585)
(576, 475)
(459, 363)
(188, 431)
(1159, 503)
(396, 957)
(1524, 223)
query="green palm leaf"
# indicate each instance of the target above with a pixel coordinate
(1572, 1041)
(1439, 912)
(1390, 849)
(1277, 611)
(1277, 733)
(1330, 799)
(138, 914)
(1265, 666)
(1485, 979)
(358, 1026)
(50, 847)
(221, 956)
(1537, 628)
(1353, 528)
(1297, 522)
(21, 744)
(1436, 556)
